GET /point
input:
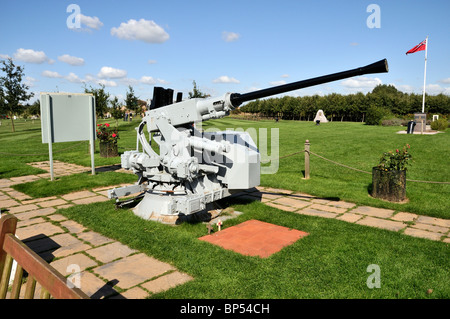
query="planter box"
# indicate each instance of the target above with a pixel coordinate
(108, 149)
(389, 185)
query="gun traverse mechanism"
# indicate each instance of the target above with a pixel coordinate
(194, 169)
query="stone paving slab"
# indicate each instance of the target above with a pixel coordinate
(73, 227)
(296, 203)
(93, 286)
(73, 264)
(404, 217)
(381, 223)
(110, 252)
(50, 203)
(282, 207)
(24, 223)
(434, 221)
(373, 211)
(8, 203)
(78, 195)
(432, 228)
(90, 200)
(327, 208)
(95, 239)
(422, 234)
(314, 212)
(38, 230)
(133, 270)
(166, 282)
(35, 213)
(23, 208)
(349, 217)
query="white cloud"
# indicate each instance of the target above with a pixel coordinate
(51, 74)
(91, 22)
(109, 72)
(129, 81)
(152, 61)
(31, 56)
(436, 89)
(225, 79)
(285, 76)
(72, 77)
(107, 82)
(230, 36)
(148, 80)
(151, 81)
(143, 30)
(446, 81)
(404, 88)
(89, 78)
(72, 60)
(30, 81)
(361, 83)
(162, 81)
(4, 56)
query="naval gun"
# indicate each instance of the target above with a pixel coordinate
(193, 168)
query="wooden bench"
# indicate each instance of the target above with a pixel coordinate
(53, 283)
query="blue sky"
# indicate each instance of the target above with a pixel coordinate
(225, 46)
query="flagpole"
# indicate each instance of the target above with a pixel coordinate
(425, 75)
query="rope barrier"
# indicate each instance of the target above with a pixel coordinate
(361, 171)
(355, 169)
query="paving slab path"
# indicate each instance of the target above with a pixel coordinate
(100, 266)
(437, 229)
(105, 268)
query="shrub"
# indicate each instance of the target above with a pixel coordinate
(398, 160)
(375, 115)
(439, 125)
(393, 122)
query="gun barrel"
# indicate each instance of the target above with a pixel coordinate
(377, 67)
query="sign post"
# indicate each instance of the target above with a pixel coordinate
(67, 117)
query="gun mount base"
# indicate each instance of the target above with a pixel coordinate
(176, 209)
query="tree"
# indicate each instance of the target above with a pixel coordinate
(116, 110)
(101, 99)
(131, 100)
(33, 109)
(196, 93)
(12, 90)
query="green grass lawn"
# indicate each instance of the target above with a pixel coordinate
(331, 262)
(353, 144)
(359, 146)
(71, 183)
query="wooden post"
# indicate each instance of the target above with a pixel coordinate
(307, 145)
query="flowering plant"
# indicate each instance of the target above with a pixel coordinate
(105, 134)
(398, 160)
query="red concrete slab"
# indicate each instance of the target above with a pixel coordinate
(255, 238)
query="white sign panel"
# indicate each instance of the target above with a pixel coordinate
(67, 117)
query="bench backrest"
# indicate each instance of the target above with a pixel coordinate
(53, 283)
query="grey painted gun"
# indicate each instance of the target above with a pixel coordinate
(194, 169)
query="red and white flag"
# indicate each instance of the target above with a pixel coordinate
(420, 47)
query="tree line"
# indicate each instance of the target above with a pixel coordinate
(383, 101)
